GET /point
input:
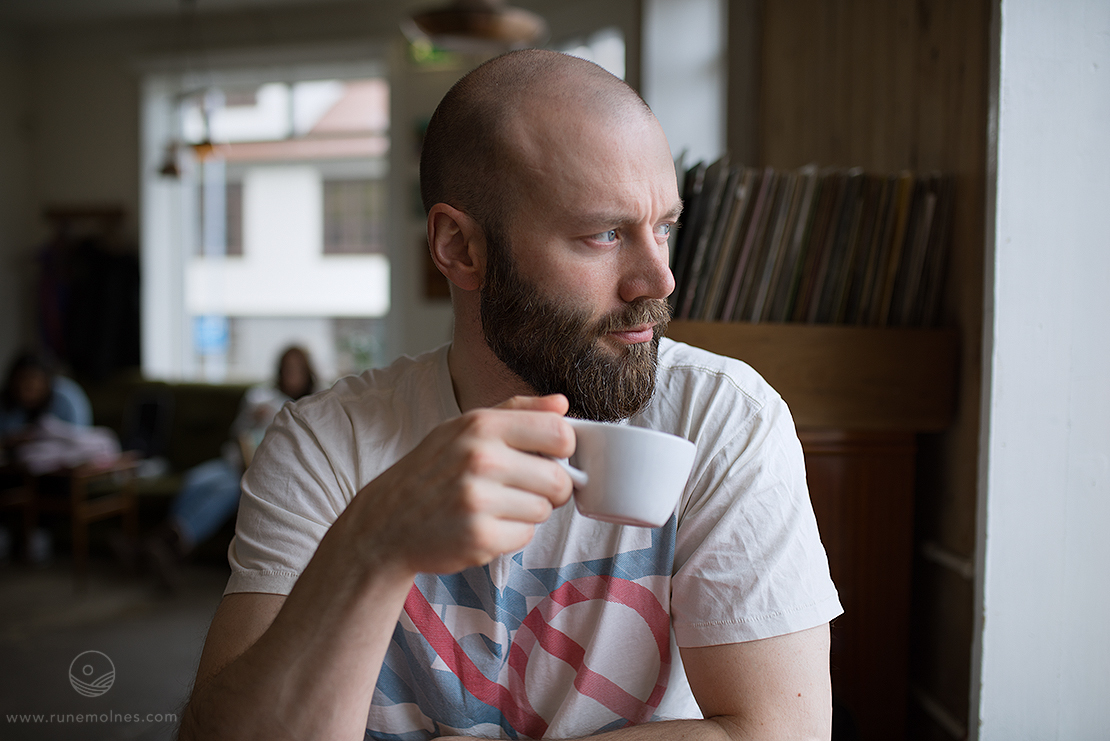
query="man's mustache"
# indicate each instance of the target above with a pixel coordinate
(645, 311)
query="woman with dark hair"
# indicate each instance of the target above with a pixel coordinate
(45, 420)
(210, 492)
(32, 389)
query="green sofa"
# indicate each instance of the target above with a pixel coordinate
(197, 419)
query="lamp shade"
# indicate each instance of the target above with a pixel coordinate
(480, 22)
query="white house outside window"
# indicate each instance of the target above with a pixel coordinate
(274, 230)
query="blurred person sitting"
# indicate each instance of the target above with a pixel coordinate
(209, 494)
(46, 418)
(46, 427)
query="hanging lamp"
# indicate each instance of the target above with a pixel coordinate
(479, 26)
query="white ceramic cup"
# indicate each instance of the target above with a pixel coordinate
(628, 475)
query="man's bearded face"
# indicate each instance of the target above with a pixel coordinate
(556, 348)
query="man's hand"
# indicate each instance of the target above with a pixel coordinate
(474, 489)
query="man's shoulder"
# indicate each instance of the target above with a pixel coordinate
(709, 398)
(686, 369)
(408, 385)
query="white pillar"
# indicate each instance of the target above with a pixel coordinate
(1044, 542)
(166, 335)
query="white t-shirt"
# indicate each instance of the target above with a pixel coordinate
(578, 633)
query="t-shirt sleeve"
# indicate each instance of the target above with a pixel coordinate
(291, 496)
(749, 560)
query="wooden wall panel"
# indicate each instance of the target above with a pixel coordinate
(743, 59)
(887, 85)
(837, 83)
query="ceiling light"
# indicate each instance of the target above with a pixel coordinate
(479, 25)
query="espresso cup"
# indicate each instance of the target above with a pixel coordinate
(628, 475)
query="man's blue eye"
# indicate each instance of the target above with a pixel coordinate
(663, 230)
(609, 236)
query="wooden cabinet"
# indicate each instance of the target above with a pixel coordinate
(861, 485)
(859, 396)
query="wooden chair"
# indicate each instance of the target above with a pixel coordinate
(85, 494)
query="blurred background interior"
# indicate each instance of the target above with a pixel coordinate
(190, 187)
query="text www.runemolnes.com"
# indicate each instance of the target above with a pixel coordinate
(107, 717)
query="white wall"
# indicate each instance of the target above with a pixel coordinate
(84, 123)
(1045, 524)
(416, 323)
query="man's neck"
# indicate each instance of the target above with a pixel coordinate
(479, 378)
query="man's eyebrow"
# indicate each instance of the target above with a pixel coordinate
(618, 218)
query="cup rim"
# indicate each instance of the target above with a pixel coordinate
(625, 424)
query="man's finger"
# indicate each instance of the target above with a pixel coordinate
(520, 505)
(542, 432)
(556, 403)
(535, 474)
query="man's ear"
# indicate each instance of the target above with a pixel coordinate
(458, 246)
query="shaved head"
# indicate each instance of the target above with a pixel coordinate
(476, 144)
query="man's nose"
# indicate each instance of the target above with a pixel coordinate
(648, 272)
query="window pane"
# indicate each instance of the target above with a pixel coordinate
(354, 217)
(233, 223)
(234, 218)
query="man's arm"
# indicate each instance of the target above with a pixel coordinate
(766, 690)
(775, 688)
(298, 667)
(305, 666)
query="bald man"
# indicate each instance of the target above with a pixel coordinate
(404, 566)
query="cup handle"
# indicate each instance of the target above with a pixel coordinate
(578, 476)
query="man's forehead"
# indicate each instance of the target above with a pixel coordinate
(562, 143)
(575, 116)
(585, 159)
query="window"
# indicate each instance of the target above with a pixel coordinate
(273, 231)
(354, 216)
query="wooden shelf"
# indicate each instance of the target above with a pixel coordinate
(845, 378)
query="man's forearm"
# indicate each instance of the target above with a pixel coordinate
(312, 673)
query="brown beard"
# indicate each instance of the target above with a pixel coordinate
(555, 348)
